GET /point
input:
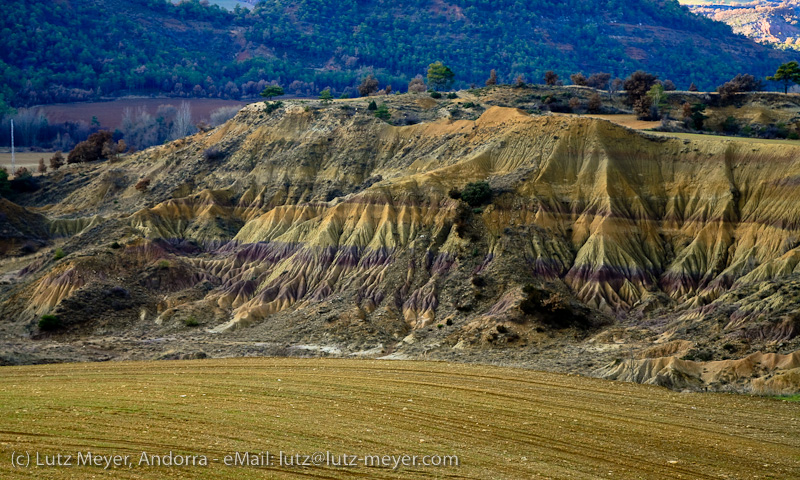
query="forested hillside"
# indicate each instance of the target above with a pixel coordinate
(70, 50)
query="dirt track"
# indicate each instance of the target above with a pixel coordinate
(502, 423)
(625, 120)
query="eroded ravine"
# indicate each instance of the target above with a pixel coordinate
(329, 209)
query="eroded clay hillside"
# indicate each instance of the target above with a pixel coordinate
(323, 230)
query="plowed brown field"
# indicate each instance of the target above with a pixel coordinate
(500, 422)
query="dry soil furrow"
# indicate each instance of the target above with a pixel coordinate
(503, 423)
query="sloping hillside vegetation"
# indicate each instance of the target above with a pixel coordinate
(79, 49)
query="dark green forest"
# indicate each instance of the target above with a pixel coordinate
(74, 50)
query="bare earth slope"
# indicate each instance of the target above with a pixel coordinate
(502, 423)
(323, 229)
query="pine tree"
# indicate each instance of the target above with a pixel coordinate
(272, 91)
(383, 112)
(788, 73)
(440, 75)
(326, 96)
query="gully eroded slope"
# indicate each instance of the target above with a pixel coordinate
(326, 225)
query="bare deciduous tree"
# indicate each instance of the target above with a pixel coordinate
(57, 161)
(595, 103)
(182, 125)
(599, 80)
(417, 85)
(615, 86)
(578, 79)
(492, 80)
(222, 115)
(368, 86)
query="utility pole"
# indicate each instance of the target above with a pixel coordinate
(13, 159)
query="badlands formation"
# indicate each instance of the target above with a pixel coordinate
(321, 230)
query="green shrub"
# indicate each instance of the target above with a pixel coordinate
(436, 95)
(372, 106)
(699, 355)
(452, 96)
(272, 106)
(191, 321)
(163, 264)
(50, 323)
(212, 153)
(383, 112)
(476, 193)
(730, 125)
(59, 254)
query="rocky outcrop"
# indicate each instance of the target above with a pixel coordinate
(765, 21)
(766, 374)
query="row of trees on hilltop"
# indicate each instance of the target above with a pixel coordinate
(141, 129)
(644, 92)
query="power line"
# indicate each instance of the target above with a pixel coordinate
(13, 158)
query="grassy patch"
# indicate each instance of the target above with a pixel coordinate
(788, 398)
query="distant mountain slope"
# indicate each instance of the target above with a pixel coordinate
(765, 21)
(75, 49)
